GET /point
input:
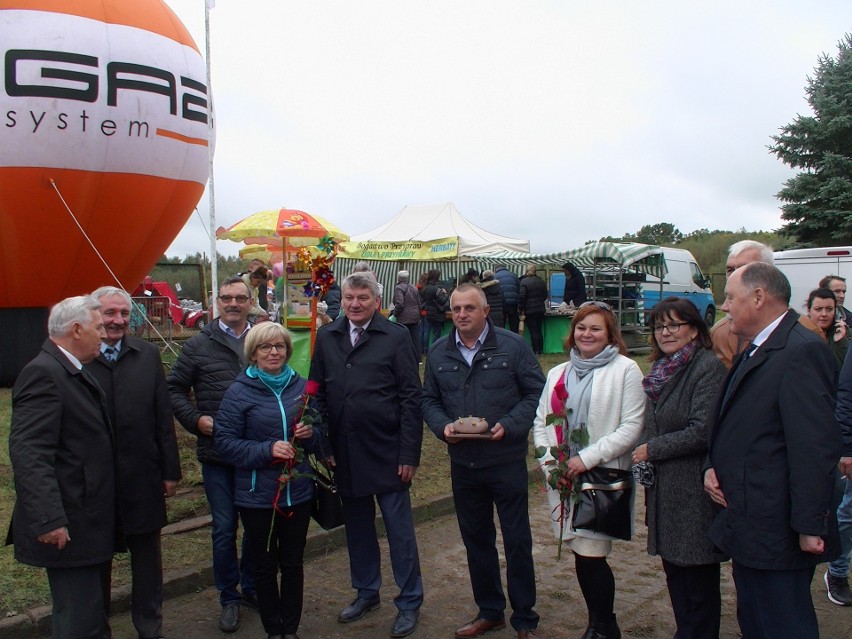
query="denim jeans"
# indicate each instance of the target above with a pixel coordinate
(424, 335)
(228, 571)
(840, 566)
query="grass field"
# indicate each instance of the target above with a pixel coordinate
(22, 587)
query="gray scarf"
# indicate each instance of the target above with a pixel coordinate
(578, 383)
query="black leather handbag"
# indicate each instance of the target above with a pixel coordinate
(327, 510)
(605, 496)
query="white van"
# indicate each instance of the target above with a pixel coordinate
(806, 267)
(684, 279)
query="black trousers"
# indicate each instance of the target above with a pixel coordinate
(775, 603)
(533, 325)
(414, 331)
(476, 491)
(512, 318)
(80, 601)
(146, 595)
(284, 551)
(696, 600)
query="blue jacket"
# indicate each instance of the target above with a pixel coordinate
(503, 384)
(250, 419)
(843, 412)
(510, 285)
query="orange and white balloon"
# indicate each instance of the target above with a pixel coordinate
(104, 103)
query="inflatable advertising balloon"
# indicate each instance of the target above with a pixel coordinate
(103, 144)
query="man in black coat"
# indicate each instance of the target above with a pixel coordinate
(131, 373)
(61, 449)
(510, 286)
(533, 305)
(205, 369)
(369, 396)
(773, 455)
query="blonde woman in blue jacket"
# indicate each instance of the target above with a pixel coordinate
(257, 429)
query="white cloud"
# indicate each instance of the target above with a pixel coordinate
(557, 121)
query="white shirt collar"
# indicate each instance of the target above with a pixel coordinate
(230, 331)
(763, 335)
(76, 362)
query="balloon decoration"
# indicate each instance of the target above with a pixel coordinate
(104, 143)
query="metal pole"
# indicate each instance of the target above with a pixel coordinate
(214, 255)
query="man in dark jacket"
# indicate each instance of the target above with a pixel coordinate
(207, 366)
(837, 575)
(369, 396)
(494, 295)
(483, 371)
(533, 305)
(511, 287)
(130, 371)
(575, 285)
(61, 449)
(774, 449)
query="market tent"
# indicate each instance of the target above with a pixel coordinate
(428, 232)
(642, 258)
(420, 238)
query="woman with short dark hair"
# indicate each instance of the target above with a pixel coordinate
(681, 386)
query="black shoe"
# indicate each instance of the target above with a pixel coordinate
(249, 600)
(357, 609)
(229, 620)
(406, 622)
(838, 590)
(602, 629)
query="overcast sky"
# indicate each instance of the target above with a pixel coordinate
(556, 121)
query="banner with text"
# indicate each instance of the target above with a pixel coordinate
(447, 247)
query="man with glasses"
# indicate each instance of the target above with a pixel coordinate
(206, 366)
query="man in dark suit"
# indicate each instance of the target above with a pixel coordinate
(61, 449)
(131, 373)
(369, 396)
(773, 454)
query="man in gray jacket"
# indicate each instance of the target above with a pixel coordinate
(483, 371)
(406, 308)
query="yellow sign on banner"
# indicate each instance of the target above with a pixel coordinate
(447, 247)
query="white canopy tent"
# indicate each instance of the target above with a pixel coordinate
(422, 237)
(426, 224)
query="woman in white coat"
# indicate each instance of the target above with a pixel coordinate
(599, 390)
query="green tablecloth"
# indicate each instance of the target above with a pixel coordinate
(301, 359)
(554, 329)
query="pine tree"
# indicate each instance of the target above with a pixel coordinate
(818, 201)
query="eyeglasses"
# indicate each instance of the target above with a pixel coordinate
(241, 299)
(672, 328)
(601, 305)
(267, 348)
